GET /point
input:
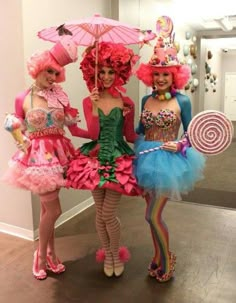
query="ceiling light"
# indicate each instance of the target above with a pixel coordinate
(225, 24)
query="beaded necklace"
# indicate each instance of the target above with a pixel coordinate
(164, 96)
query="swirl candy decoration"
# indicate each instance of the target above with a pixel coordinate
(210, 132)
(164, 26)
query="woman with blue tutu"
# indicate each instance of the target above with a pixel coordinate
(165, 166)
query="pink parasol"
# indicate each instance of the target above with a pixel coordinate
(90, 31)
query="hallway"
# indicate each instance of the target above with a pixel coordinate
(203, 238)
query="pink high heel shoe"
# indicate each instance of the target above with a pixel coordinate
(154, 270)
(39, 274)
(55, 268)
(167, 276)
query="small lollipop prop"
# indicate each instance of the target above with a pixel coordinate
(13, 125)
(209, 132)
(164, 26)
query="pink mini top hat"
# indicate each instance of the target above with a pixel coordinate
(64, 51)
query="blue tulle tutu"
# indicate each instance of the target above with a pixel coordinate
(166, 172)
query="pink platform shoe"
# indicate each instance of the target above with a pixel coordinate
(165, 277)
(55, 268)
(39, 274)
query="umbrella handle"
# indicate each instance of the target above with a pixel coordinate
(96, 63)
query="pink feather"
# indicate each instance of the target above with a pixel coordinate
(100, 255)
(124, 254)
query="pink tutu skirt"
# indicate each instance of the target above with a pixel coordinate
(42, 168)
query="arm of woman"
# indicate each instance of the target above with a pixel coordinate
(91, 120)
(128, 129)
(92, 123)
(140, 128)
(19, 101)
(186, 111)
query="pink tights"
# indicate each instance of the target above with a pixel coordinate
(50, 212)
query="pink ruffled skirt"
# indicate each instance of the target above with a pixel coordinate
(86, 172)
(42, 169)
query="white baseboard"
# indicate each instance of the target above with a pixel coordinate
(33, 235)
(16, 231)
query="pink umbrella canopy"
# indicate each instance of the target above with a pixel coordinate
(91, 30)
(87, 31)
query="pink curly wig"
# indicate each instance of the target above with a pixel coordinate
(115, 56)
(181, 74)
(40, 61)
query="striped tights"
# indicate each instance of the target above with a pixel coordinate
(107, 224)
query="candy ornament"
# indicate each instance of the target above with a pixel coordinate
(13, 125)
(164, 26)
(210, 132)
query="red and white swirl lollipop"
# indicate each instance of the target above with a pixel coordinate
(210, 132)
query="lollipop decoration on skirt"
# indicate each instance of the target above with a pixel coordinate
(14, 126)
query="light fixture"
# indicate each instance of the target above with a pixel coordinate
(225, 24)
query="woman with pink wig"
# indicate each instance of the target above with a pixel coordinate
(104, 165)
(40, 164)
(165, 167)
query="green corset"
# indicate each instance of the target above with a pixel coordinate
(111, 141)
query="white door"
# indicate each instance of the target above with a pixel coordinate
(230, 96)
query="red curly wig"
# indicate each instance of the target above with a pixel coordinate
(115, 56)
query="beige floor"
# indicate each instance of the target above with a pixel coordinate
(203, 237)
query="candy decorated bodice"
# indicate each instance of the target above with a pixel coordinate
(164, 126)
(39, 118)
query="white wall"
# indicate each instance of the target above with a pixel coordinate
(15, 205)
(213, 100)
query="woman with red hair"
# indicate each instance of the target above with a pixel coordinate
(165, 167)
(41, 162)
(104, 165)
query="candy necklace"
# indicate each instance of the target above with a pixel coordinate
(164, 96)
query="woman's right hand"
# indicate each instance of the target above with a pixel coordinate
(94, 96)
(25, 145)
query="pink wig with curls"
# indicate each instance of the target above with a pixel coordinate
(41, 61)
(115, 56)
(181, 74)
